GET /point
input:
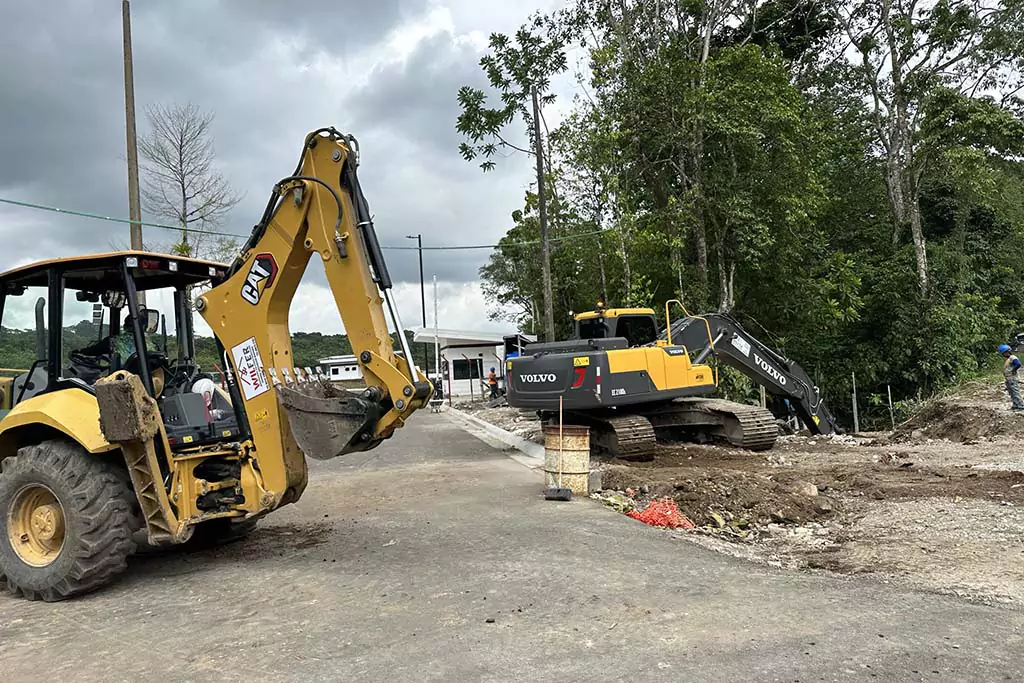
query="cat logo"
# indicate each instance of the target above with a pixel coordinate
(261, 275)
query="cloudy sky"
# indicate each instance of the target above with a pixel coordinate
(384, 70)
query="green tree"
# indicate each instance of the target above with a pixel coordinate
(520, 68)
(906, 51)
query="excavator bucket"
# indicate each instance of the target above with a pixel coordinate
(327, 422)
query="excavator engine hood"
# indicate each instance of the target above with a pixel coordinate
(327, 422)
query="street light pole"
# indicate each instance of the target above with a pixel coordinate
(423, 299)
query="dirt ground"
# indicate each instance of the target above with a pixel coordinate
(938, 504)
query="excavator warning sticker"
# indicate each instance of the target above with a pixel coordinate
(742, 344)
(581, 361)
(250, 369)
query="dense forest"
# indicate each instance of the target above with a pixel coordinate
(843, 177)
(17, 347)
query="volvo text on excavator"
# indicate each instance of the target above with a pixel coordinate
(128, 437)
(628, 384)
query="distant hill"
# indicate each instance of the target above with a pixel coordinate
(17, 347)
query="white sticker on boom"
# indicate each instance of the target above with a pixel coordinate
(250, 369)
(742, 344)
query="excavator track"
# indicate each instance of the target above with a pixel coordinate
(626, 437)
(744, 426)
(634, 436)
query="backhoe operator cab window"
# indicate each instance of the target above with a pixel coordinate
(88, 323)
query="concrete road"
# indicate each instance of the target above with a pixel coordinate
(435, 558)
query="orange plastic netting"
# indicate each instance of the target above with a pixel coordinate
(662, 512)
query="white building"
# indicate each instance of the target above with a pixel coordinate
(467, 356)
(342, 368)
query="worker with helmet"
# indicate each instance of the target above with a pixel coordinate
(492, 381)
(1011, 365)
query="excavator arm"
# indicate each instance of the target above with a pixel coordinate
(317, 212)
(780, 376)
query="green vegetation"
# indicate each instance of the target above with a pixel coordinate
(844, 177)
(17, 347)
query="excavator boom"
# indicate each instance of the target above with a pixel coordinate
(735, 347)
(317, 212)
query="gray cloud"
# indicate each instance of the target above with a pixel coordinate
(271, 72)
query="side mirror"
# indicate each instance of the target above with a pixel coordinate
(151, 317)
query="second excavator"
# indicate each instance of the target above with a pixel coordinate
(630, 385)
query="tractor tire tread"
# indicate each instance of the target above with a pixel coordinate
(99, 519)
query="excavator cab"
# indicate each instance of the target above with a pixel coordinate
(636, 325)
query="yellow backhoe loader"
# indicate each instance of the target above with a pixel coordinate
(127, 436)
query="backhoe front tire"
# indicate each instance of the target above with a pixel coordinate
(67, 521)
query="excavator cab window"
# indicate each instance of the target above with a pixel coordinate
(593, 328)
(639, 330)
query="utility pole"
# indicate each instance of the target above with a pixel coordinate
(437, 343)
(545, 254)
(134, 207)
(423, 297)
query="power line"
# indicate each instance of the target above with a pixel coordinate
(200, 231)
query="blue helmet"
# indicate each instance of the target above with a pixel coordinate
(1003, 348)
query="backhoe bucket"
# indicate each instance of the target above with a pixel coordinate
(327, 422)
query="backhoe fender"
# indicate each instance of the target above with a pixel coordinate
(71, 412)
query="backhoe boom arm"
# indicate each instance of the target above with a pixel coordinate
(318, 211)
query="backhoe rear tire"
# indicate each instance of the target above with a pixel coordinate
(67, 521)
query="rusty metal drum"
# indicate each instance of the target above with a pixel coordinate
(574, 447)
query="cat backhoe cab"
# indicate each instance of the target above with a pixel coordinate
(122, 435)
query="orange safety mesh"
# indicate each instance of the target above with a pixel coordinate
(662, 512)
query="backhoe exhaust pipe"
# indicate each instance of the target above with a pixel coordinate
(40, 328)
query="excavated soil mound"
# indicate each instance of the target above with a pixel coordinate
(743, 489)
(739, 498)
(963, 422)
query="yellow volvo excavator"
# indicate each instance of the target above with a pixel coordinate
(628, 384)
(103, 443)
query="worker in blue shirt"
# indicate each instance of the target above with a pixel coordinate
(1010, 367)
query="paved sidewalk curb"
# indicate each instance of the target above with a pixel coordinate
(524, 452)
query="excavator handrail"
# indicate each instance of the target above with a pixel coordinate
(668, 330)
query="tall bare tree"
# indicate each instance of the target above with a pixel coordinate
(180, 180)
